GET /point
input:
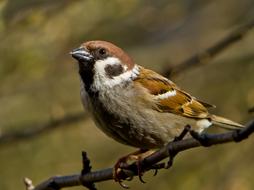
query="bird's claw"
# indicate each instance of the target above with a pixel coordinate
(118, 166)
(139, 169)
(116, 177)
(170, 161)
(155, 172)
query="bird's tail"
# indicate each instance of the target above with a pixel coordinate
(225, 123)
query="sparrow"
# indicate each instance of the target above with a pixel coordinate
(134, 105)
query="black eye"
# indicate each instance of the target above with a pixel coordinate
(102, 51)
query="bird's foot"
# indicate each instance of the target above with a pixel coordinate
(117, 170)
(123, 161)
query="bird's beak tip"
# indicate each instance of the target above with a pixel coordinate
(81, 55)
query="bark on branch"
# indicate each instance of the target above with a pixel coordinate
(88, 178)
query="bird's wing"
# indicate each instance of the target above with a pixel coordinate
(170, 98)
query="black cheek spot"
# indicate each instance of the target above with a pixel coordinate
(114, 70)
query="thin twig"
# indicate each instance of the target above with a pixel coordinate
(86, 169)
(205, 56)
(148, 163)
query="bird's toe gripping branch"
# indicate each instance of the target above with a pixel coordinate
(138, 166)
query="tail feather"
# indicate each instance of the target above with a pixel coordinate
(225, 123)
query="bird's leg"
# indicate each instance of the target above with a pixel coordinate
(138, 156)
(171, 152)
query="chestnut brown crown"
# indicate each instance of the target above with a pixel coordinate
(102, 49)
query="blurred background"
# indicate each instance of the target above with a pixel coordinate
(39, 85)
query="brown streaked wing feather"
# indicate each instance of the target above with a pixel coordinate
(155, 83)
(182, 103)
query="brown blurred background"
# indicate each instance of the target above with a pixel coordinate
(39, 83)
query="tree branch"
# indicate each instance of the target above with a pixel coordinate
(150, 162)
(35, 130)
(201, 58)
(205, 56)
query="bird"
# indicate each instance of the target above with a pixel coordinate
(134, 105)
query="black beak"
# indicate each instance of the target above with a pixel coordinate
(82, 55)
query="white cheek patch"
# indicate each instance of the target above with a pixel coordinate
(100, 65)
(165, 95)
(102, 81)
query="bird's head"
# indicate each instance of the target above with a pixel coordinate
(102, 64)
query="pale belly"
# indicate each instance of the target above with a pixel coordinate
(133, 125)
(148, 130)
